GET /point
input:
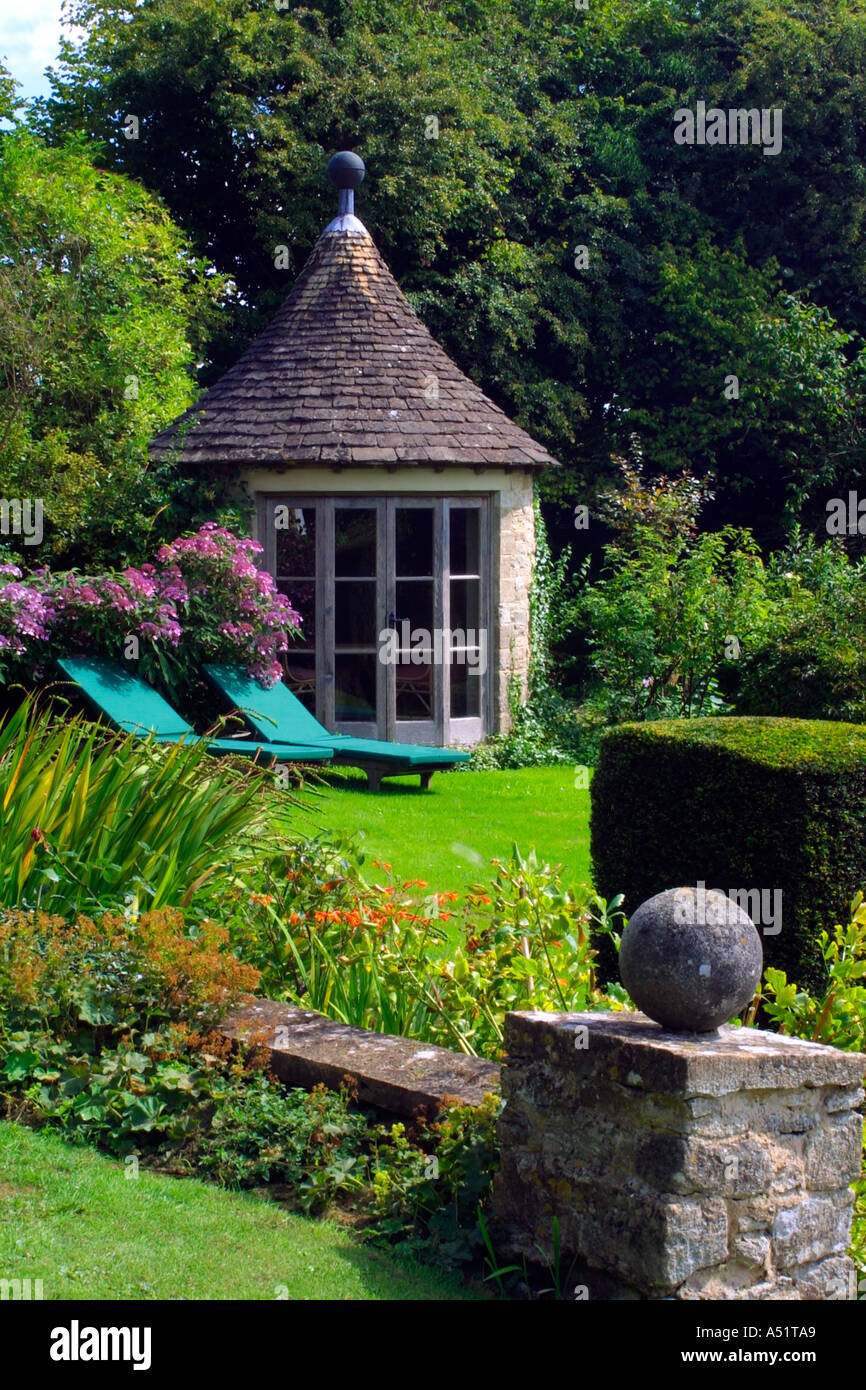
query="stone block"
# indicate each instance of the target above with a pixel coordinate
(396, 1074)
(818, 1226)
(833, 1155)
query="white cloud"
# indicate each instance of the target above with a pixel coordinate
(30, 33)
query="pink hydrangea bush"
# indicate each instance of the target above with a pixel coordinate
(233, 608)
(26, 618)
(204, 599)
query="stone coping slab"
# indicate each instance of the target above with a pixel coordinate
(640, 1053)
(393, 1073)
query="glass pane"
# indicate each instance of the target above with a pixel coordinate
(415, 605)
(302, 597)
(465, 606)
(300, 669)
(355, 688)
(465, 691)
(355, 613)
(415, 692)
(355, 542)
(414, 527)
(465, 529)
(296, 540)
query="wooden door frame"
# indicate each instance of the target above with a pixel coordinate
(325, 503)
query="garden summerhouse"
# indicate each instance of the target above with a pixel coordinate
(393, 499)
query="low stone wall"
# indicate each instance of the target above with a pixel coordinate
(395, 1074)
(680, 1166)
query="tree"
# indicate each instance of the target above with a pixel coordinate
(102, 306)
(525, 185)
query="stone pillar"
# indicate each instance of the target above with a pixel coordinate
(514, 556)
(687, 1166)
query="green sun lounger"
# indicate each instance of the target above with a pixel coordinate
(276, 714)
(134, 706)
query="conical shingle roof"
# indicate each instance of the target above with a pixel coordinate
(347, 374)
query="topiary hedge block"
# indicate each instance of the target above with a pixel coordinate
(740, 804)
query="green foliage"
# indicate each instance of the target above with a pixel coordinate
(837, 1016)
(726, 328)
(95, 1018)
(307, 1140)
(419, 1187)
(367, 954)
(92, 819)
(736, 803)
(102, 311)
(671, 606)
(555, 131)
(810, 660)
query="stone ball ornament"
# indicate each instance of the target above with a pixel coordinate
(691, 959)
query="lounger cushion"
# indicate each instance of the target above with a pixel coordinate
(276, 713)
(129, 702)
(137, 708)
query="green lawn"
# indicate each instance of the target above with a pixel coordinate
(449, 834)
(73, 1219)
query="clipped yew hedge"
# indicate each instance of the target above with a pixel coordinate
(747, 803)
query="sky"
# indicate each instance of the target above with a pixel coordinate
(29, 40)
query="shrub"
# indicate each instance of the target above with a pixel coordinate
(748, 803)
(105, 1023)
(810, 662)
(90, 819)
(661, 619)
(204, 599)
(372, 955)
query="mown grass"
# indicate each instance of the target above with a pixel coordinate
(449, 834)
(73, 1219)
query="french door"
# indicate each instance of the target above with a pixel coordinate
(394, 604)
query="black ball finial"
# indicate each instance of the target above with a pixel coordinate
(346, 169)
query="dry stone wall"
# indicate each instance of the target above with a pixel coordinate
(680, 1166)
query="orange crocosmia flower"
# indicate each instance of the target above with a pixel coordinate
(294, 918)
(386, 867)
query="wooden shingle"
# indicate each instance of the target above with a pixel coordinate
(346, 372)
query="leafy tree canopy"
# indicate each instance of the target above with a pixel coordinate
(500, 137)
(102, 307)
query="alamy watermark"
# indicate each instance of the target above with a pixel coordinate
(444, 646)
(711, 907)
(77, 1343)
(846, 517)
(21, 1289)
(22, 516)
(738, 126)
